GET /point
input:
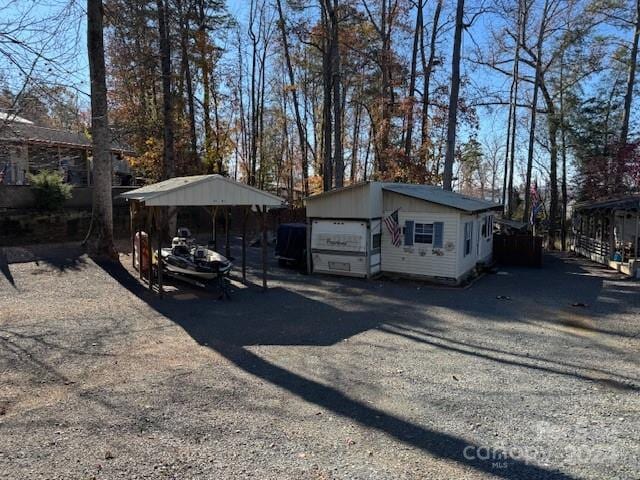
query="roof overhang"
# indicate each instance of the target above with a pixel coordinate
(624, 203)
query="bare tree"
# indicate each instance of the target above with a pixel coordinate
(168, 167)
(427, 68)
(453, 97)
(302, 133)
(510, 151)
(633, 62)
(534, 108)
(100, 237)
(419, 27)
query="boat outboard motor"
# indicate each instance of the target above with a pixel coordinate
(200, 253)
(184, 232)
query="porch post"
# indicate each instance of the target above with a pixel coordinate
(637, 243)
(624, 220)
(25, 180)
(612, 237)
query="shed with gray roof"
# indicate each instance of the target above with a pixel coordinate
(402, 229)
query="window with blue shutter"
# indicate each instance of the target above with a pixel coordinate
(438, 232)
(408, 232)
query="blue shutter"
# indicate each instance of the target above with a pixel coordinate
(438, 228)
(408, 232)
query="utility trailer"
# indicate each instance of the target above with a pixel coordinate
(345, 247)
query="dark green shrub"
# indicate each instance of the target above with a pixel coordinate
(49, 190)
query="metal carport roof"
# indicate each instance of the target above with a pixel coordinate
(205, 190)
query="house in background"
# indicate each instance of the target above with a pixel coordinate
(417, 231)
(608, 232)
(26, 148)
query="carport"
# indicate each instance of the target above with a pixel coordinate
(209, 191)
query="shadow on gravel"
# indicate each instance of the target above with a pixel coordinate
(438, 444)
(4, 268)
(509, 358)
(61, 257)
(228, 329)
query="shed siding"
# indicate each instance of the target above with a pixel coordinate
(358, 202)
(420, 259)
(481, 247)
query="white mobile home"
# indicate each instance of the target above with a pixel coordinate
(417, 231)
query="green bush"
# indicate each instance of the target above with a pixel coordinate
(49, 190)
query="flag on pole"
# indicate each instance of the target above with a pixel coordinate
(394, 228)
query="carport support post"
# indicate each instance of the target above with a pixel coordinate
(227, 246)
(215, 229)
(309, 223)
(139, 222)
(245, 214)
(133, 234)
(150, 248)
(264, 247)
(161, 217)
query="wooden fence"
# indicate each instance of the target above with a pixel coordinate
(519, 250)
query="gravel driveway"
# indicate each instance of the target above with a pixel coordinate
(319, 378)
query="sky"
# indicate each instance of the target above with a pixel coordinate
(71, 67)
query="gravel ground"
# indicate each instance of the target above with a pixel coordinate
(319, 378)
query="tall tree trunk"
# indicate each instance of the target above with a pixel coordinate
(453, 98)
(204, 69)
(168, 167)
(302, 135)
(408, 139)
(511, 135)
(261, 96)
(553, 125)
(427, 67)
(386, 101)
(506, 156)
(563, 129)
(633, 62)
(355, 144)
(626, 111)
(184, 40)
(338, 156)
(534, 108)
(327, 63)
(99, 240)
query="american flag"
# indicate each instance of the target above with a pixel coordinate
(394, 228)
